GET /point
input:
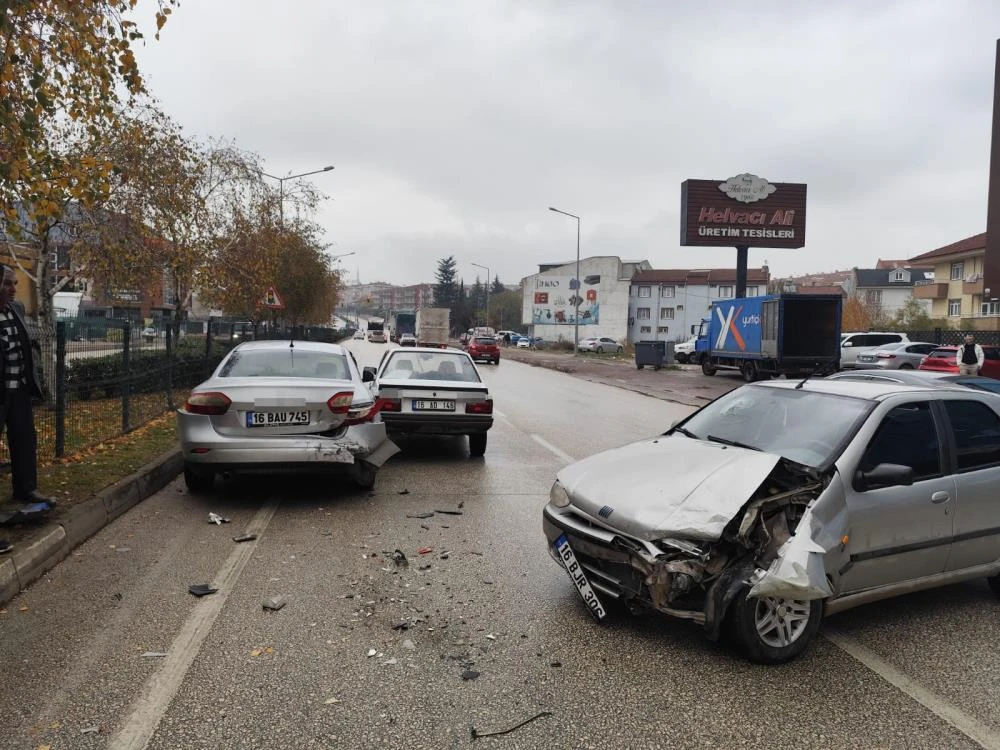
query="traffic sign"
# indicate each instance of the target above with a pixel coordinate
(272, 300)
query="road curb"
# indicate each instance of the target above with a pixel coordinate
(55, 541)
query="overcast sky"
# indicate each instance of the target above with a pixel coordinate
(454, 124)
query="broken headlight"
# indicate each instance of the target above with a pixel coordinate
(558, 495)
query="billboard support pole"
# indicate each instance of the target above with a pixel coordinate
(742, 254)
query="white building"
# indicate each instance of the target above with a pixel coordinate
(549, 305)
(669, 305)
(885, 291)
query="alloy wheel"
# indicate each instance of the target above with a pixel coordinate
(781, 622)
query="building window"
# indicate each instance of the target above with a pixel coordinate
(645, 329)
(644, 291)
(954, 307)
(642, 313)
(725, 292)
(663, 329)
(666, 313)
(667, 291)
(753, 291)
(988, 309)
(897, 276)
(957, 271)
(873, 297)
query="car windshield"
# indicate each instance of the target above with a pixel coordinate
(430, 366)
(286, 362)
(803, 426)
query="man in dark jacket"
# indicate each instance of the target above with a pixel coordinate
(21, 384)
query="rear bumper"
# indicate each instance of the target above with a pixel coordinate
(436, 424)
(202, 445)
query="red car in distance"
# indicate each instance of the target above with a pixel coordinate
(484, 347)
(942, 359)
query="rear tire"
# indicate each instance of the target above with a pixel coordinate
(620, 350)
(497, 361)
(749, 371)
(198, 481)
(477, 444)
(600, 350)
(906, 367)
(772, 630)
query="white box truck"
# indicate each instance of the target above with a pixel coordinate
(433, 326)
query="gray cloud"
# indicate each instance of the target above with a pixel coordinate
(454, 125)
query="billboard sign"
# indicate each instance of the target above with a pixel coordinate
(745, 210)
(555, 297)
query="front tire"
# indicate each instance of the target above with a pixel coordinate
(497, 361)
(772, 630)
(682, 359)
(600, 350)
(477, 444)
(198, 481)
(706, 368)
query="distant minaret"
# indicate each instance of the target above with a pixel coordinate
(991, 263)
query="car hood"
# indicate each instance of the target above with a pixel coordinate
(670, 486)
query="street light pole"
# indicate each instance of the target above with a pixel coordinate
(281, 190)
(576, 317)
(487, 292)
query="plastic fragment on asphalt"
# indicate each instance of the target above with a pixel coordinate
(404, 625)
(420, 515)
(476, 733)
(425, 550)
(274, 603)
(123, 549)
(371, 652)
(217, 519)
(449, 512)
(244, 538)
(425, 527)
(404, 492)
(445, 555)
(469, 674)
(331, 701)
(390, 662)
(400, 559)
(201, 589)
(491, 637)
(153, 654)
(409, 645)
(90, 730)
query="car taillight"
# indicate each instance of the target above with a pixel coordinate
(340, 403)
(362, 414)
(211, 403)
(885, 356)
(480, 407)
(391, 404)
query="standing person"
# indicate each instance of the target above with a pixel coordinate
(21, 384)
(506, 338)
(970, 356)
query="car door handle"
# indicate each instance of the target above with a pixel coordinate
(940, 497)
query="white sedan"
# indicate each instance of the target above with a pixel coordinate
(600, 344)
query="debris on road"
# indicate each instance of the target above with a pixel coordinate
(404, 625)
(469, 674)
(217, 519)
(425, 527)
(331, 701)
(90, 730)
(244, 538)
(491, 637)
(429, 514)
(400, 559)
(476, 733)
(445, 555)
(371, 653)
(409, 645)
(275, 603)
(425, 550)
(404, 492)
(259, 651)
(449, 512)
(555, 663)
(390, 662)
(152, 654)
(201, 589)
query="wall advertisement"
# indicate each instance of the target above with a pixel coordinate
(555, 299)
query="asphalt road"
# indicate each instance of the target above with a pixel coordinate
(920, 671)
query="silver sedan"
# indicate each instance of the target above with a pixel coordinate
(282, 406)
(429, 391)
(904, 355)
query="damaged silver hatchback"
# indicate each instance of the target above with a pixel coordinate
(781, 502)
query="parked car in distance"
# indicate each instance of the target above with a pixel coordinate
(903, 355)
(270, 407)
(942, 359)
(428, 391)
(787, 501)
(407, 339)
(149, 334)
(926, 378)
(600, 344)
(484, 348)
(524, 342)
(359, 336)
(684, 351)
(853, 344)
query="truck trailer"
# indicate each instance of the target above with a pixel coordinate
(433, 326)
(403, 322)
(772, 335)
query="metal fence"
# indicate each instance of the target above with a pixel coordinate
(104, 377)
(953, 337)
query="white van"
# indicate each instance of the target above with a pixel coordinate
(853, 344)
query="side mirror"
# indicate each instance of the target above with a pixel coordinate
(368, 375)
(883, 475)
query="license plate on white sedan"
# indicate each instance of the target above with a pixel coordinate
(276, 418)
(575, 571)
(425, 405)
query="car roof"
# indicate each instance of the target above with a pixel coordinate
(871, 390)
(431, 349)
(318, 346)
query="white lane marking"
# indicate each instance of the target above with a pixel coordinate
(971, 727)
(148, 709)
(499, 414)
(552, 449)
